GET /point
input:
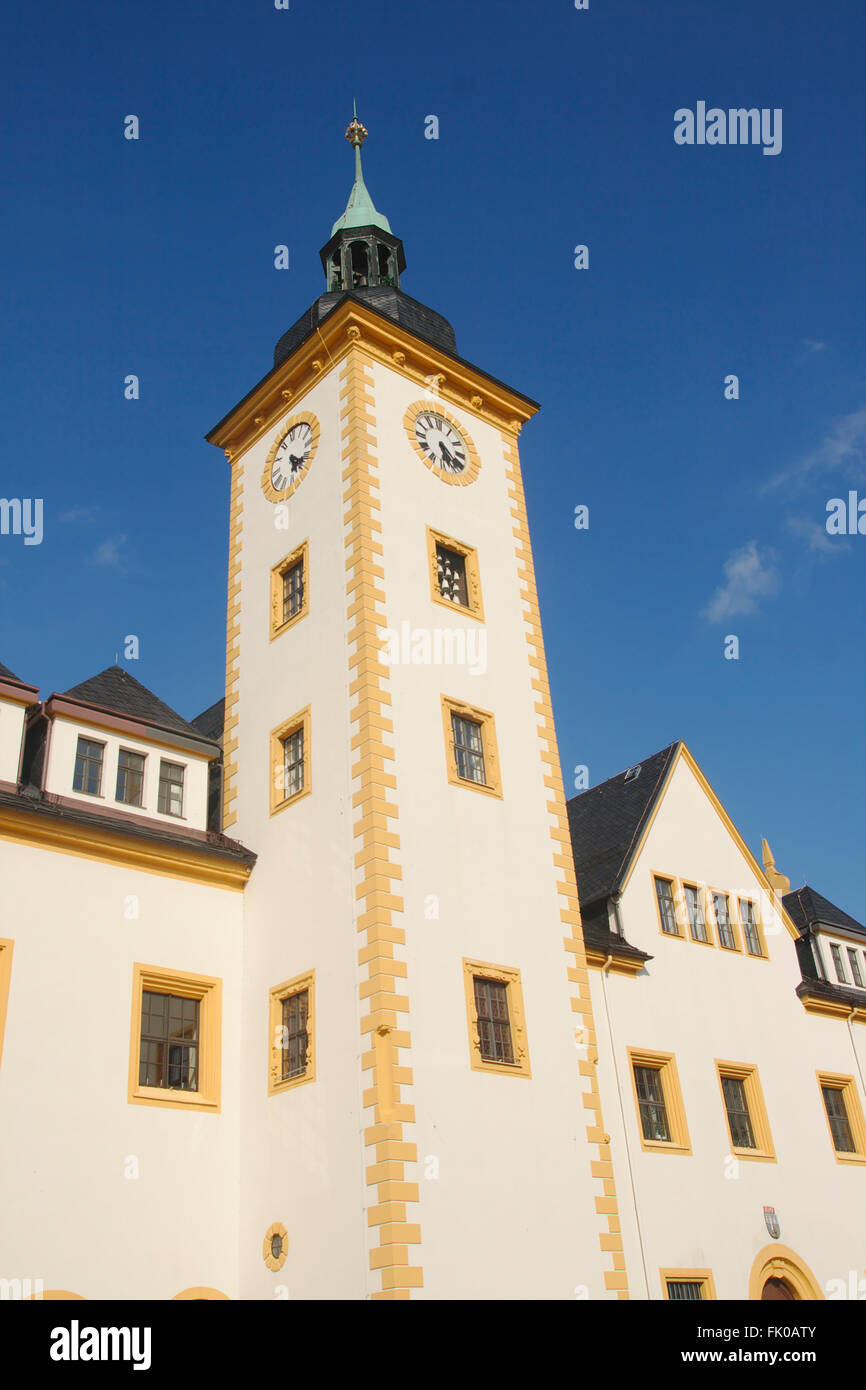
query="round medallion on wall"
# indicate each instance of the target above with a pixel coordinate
(441, 443)
(275, 1246)
(290, 456)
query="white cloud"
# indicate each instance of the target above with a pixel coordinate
(749, 576)
(79, 514)
(843, 447)
(812, 345)
(814, 533)
(109, 554)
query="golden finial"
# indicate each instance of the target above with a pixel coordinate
(356, 133)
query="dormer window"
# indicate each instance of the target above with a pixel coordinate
(855, 967)
(130, 778)
(88, 767)
(838, 963)
(170, 797)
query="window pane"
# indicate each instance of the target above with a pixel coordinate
(839, 964)
(750, 927)
(87, 776)
(651, 1104)
(130, 778)
(170, 798)
(695, 910)
(726, 932)
(168, 1055)
(739, 1120)
(837, 1114)
(855, 966)
(295, 1041)
(665, 895)
(468, 749)
(293, 763)
(685, 1290)
(293, 590)
(494, 1025)
(451, 575)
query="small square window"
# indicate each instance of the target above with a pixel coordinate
(290, 590)
(290, 761)
(170, 797)
(844, 1117)
(496, 1020)
(291, 1022)
(470, 747)
(88, 767)
(130, 778)
(168, 1056)
(688, 1285)
(659, 1102)
(454, 574)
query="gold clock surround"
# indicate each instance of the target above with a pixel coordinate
(473, 466)
(304, 417)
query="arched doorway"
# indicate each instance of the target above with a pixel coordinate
(778, 1273)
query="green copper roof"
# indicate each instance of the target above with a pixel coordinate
(360, 210)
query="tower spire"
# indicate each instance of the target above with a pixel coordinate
(360, 209)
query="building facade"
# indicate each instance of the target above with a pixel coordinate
(315, 960)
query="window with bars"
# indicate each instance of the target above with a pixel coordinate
(468, 748)
(170, 795)
(451, 576)
(695, 912)
(723, 921)
(737, 1108)
(88, 767)
(750, 927)
(494, 1025)
(293, 590)
(295, 1010)
(855, 967)
(168, 1057)
(840, 1124)
(667, 906)
(651, 1104)
(130, 778)
(293, 763)
(838, 963)
(685, 1290)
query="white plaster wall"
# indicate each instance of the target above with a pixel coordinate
(70, 1217)
(11, 739)
(60, 772)
(704, 1004)
(302, 1150)
(513, 1161)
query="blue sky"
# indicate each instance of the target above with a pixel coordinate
(556, 129)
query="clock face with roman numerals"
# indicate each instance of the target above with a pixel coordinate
(290, 456)
(441, 441)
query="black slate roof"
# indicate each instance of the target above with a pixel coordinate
(212, 720)
(606, 823)
(806, 908)
(115, 689)
(402, 308)
(9, 675)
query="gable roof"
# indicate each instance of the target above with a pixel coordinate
(116, 690)
(808, 908)
(606, 823)
(9, 675)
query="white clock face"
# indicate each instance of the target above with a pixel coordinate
(441, 442)
(292, 457)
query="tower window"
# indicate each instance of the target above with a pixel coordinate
(170, 797)
(470, 747)
(385, 262)
(360, 262)
(130, 778)
(494, 1027)
(293, 590)
(291, 1015)
(336, 276)
(451, 575)
(88, 767)
(169, 1042)
(290, 761)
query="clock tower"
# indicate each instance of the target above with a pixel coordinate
(421, 1114)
